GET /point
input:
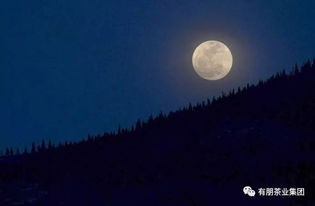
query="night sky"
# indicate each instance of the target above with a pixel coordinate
(69, 68)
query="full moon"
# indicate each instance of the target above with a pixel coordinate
(212, 60)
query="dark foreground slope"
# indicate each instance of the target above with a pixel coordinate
(259, 135)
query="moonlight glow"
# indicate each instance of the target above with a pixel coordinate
(212, 60)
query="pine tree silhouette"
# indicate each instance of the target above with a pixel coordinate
(33, 147)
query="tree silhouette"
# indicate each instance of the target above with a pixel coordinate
(33, 147)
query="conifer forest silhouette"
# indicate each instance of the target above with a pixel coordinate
(262, 135)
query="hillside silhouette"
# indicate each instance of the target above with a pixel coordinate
(260, 135)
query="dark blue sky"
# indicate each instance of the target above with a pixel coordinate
(73, 67)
